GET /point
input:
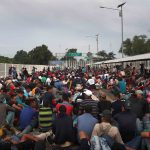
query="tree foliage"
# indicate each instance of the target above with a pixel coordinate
(138, 45)
(40, 55)
(66, 57)
(103, 55)
(21, 57)
(5, 59)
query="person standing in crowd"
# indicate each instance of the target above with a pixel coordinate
(25, 73)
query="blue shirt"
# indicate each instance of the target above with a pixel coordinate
(122, 86)
(26, 116)
(58, 85)
(26, 94)
(20, 101)
(86, 123)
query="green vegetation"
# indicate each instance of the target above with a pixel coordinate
(138, 45)
(39, 55)
(5, 59)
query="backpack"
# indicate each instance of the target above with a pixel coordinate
(99, 143)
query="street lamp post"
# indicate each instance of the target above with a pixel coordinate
(121, 15)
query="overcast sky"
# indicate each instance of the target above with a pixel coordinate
(61, 24)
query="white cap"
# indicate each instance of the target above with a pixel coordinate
(40, 77)
(88, 92)
(139, 92)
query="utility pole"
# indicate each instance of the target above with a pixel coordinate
(97, 40)
(89, 48)
(121, 15)
(149, 32)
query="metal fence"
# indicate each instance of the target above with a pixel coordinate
(70, 63)
(4, 68)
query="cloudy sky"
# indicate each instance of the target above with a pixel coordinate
(61, 24)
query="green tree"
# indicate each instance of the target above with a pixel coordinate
(5, 59)
(138, 45)
(89, 56)
(127, 49)
(111, 55)
(67, 57)
(148, 45)
(40, 55)
(103, 55)
(21, 57)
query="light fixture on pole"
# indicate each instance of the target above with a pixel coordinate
(121, 15)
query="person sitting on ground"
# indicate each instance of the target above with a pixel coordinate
(86, 121)
(63, 128)
(84, 141)
(103, 104)
(117, 104)
(6, 114)
(127, 122)
(69, 107)
(49, 97)
(122, 85)
(145, 134)
(45, 117)
(87, 100)
(28, 117)
(19, 98)
(13, 102)
(105, 128)
(139, 105)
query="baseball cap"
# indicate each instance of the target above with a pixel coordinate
(139, 92)
(127, 105)
(106, 113)
(88, 92)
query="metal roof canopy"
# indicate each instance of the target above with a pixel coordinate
(126, 59)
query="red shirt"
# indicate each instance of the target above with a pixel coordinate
(69, 107)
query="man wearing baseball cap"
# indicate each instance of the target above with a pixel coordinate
(105, 127)
(139, 105)
(127, 122)
(87, 100)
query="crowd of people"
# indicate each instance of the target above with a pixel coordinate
(88, 108)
